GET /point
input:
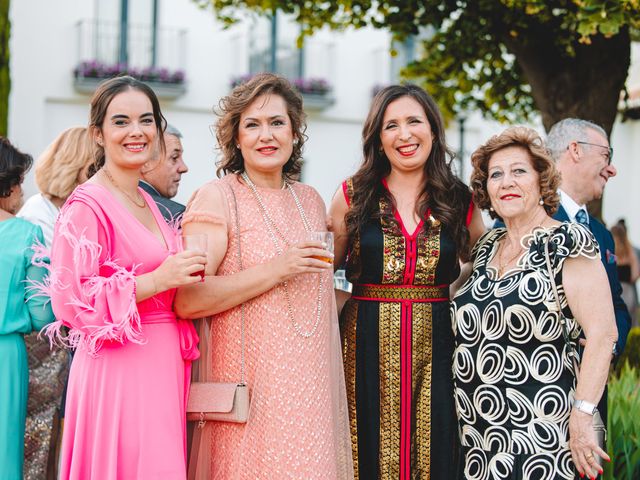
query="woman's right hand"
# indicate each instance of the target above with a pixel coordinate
(300, 259)
(177, 270)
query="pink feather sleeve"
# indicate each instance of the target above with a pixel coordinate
(91, 293)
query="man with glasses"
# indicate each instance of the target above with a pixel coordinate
(583, 156)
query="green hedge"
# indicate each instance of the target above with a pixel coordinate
(631, 354)
(624, 417)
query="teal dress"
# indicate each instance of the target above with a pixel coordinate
(20, 313)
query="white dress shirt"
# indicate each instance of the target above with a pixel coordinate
(39, 210)
(570, 206)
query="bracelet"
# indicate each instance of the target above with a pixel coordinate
(585, 407)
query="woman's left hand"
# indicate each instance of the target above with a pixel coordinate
(582, 442)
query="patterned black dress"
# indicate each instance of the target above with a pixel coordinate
(513, 379)
(398, 346)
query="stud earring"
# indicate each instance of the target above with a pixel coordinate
(491, 209)
(238, 146)
(541, 202)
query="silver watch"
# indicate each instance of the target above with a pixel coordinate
(585, 407)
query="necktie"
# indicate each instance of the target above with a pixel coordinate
(581, 217)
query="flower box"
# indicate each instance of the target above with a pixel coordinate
(317, 101)
(166, 84)
(316, 92)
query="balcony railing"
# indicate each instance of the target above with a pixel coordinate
(155, 56)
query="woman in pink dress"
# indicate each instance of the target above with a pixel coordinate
(298, 421)
(113, 277)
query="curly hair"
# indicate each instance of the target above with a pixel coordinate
(529, 140)
(101, 100)
(60, 167)
(446, 195)
(232, 106)
(13, 166)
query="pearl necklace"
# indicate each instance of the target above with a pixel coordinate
(272, 229)
(113, 182)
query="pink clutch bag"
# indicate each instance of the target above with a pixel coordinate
(223, 402)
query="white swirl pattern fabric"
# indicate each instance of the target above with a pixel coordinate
(513, 380)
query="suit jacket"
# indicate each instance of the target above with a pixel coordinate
(170, 210)
(607, 256)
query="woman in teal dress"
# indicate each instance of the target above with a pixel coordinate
(20, 311)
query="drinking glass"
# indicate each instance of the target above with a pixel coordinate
(196, 242)
(327, 239)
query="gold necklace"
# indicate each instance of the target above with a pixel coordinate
(113, 182)
(501, 265)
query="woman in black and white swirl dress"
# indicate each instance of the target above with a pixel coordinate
(514, 383)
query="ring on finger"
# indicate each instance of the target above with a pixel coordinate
(589, 456)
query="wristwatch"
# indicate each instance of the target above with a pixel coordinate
(585, 407)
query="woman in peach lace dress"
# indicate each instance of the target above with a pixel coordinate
(298, 419)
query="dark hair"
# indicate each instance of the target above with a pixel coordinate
(233, 105)
(13, 166)
(100, 101)
(529, 140)
(446, 196)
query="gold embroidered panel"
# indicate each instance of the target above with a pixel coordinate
(428, 254)
(421, 357)
(348, 337)
(393, 262)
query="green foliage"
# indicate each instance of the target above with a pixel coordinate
(472, 62)
(5, 78)
(624, 425)
(631, 354)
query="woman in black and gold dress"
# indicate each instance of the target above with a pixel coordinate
(402, 223)
(522, 414)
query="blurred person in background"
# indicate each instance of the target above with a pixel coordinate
(161, 176)
(58, 171)
(628, 268)
(21, 312)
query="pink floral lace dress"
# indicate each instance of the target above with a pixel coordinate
(125, 413)
(298, 421)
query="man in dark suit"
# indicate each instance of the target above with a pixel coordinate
(583, 157)
(161, 177)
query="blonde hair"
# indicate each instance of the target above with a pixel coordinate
(59, 168)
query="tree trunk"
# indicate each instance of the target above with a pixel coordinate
(5, 77)
(585, 86)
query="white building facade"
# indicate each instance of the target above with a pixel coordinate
(49, 41)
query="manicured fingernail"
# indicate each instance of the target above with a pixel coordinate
(581, 474)
(608, 460)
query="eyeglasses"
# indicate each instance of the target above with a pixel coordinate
(609, 148)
